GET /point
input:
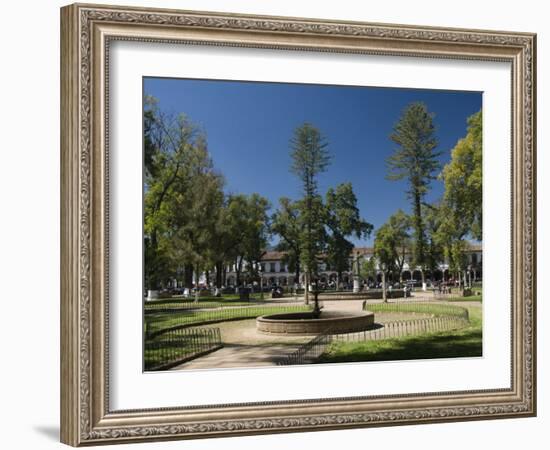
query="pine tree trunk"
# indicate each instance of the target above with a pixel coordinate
(306, 292)
(238, 267)
(153, 275)
(423, 276)
(384, 295)
(188, 276)
(219, 269)
(197, 284)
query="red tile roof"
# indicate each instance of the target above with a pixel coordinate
(273, 255)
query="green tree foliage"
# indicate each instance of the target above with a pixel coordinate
(451, 239)
(367, 269)
(232, 233)
(229, 233)
(310, 228)
(460, 214)
(286, 223)
(392, 241)
(457, 256)
(189, 221)
(391, 244)
(416, 161)
(385, 250)
(174, 147)
(244, 232)
(434, 249)
(256, 231)
(463, 179)
(400, 226)
(313, 236)
(196, 206)
(150, 135)
(310, 158)
(343, 220)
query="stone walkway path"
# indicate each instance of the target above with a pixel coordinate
(238, 356)
(245, 347)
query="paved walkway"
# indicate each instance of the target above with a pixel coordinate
(245, 347)
(238, 356)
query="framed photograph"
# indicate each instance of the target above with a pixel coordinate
(276, 224)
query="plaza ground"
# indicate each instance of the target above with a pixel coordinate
(245, 347)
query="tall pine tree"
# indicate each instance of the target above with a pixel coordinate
(310, 157)
(415, 160)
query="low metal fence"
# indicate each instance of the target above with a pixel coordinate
(435, 309)
(308, 352)
(174, 347)
(176, 306)
(402, 328)
(156, 324)
(311, 350)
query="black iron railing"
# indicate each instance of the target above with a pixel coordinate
(308, 352)
(173, 347)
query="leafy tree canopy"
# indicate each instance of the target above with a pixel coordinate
(463, 180)
(343, 220)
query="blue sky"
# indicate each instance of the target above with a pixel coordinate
(249, 126)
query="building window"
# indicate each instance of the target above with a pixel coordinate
(282, 267)
(262, 265)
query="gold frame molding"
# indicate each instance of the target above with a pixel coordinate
(86, 32)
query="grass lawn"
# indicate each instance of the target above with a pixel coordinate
(471, 298)
(164, 320)
(164, 351)
(173, 346)
(466, 342)
(205, 302)
(188, 304)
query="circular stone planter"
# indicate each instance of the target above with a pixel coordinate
(305, 323)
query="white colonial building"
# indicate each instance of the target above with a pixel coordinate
(275, 272)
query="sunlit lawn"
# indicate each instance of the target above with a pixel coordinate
(206, 302)
(164, 320)
(471, 298)
(466, 342)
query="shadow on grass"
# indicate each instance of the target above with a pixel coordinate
(466, 343)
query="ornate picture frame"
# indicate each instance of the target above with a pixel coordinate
(87, 31)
